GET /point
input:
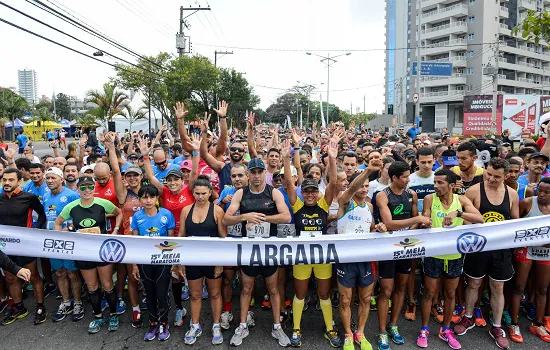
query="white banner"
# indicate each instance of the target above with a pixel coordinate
(275, 251)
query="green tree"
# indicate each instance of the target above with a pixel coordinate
(44, 104)
(110, 100)
(535, 27)
(133, 114)
(91, 117)
(234, 88)
(62, 106)
(12, 105)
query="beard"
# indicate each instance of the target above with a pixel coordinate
(236, 157)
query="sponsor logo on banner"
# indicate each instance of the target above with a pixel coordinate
(5, 240)
(112, 251)
(532, 234)
(167, 255)
(410, 251)
(538, 253)
(286, 254)
(470, 242)
(58, 246)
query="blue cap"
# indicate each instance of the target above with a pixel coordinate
(449, 160)
(256, 163)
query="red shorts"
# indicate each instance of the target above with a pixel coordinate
(520, 255)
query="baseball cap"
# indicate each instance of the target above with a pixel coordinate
(186, 164)
(54, 171)
(277, 174)
(293, 171)
(87, 167)
(538, 155)
(449, 157)
(256, 163)
(310, 183)
(132, 156)
(427, 142)
(133, 169)
(85, 180)
(175, 172)
(408, 153)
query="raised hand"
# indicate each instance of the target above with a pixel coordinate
(195, 141)
(180, 110)
(285, 149)
(101, 137)
(222, 111)
(143, 147)
(338, 135)
(83, 141)
(204, 122)
(164, 127)
(250, 120)
(296, 138)
(333, 148)
(109, 139)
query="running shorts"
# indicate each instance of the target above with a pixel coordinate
(435, 268)
(197, 272)
(254, 271)
(389, 268)
(58, 264)
(497, 264)
(321, 271)
(356, 274)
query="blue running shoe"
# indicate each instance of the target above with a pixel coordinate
(192, 335)
(185, 293)
(120, 306)
(164, 332)
(217, 336)
(95, 325)
(104, 304)
(395, 335)
(383, 341)
(113, 323)
(529, 309)
(152, 332)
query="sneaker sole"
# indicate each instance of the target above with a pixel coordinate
(421, 346)
(137, 325)
(194, 341)
(77, 318)
(150, 339)
(113, 329)
(547, 341)
(60, 319)
(492, 336)
(165, 339)
(332, 344)
(283, 345)
(218, 342)
(445, 340)
(467, 329)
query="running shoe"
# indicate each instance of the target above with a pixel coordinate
(479, 320)
(283, 319)
(163, 332)
(143, 304)
(383, 341)
(506, 318)
(465, 324)
(288, 303)
(40, 315)
(14, 314)
(104, 304)
(235, 281)
(250, 322)
(529, 310)
(307, 300)
(296, 338)
(389, 306)
(449, 337)
(318, 304)
(240, 333)
(485, 299)
(266, 303)
(373, 306)
(499, 336)
(113, 323)
(515, 333)
(3, 304)
(353, 325)
(217, 336)
(185, 293)
(348, 342)
(204, 292)
(151, 334)
(458, 312)
(120, 306)
(95, 325)
(252, 301)
(63, 310)
(192, 334)
(540, 332)
(49, 288)
(410, 312)
(422, 340)
(546, 323)
(180, 314)
(280, 335)
(58, 295)
(333, 338)
(395, 335)
(335, 299)
(78, 311)
(362, 341)
(137, 322)
(437, 312)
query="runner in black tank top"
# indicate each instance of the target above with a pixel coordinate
(207, 228)
(261, 202)
(491, 212)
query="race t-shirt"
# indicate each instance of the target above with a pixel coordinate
(423, 186)
(108, 192)
(152, 226)
(233, 230)
(311, 221)
(204, 169)
(89, 219)
(478, 177)
(54, 204)
(129, 208)
(161, 174)
(38, 192)
(176, 202)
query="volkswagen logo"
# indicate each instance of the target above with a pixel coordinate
(470, 242)
(112, 251)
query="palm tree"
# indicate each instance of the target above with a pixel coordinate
(110, 100)
(132, 115)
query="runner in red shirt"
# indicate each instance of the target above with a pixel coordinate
(105, 188)
(175, 195)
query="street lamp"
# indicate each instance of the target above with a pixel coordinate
(328, 61)
(309, 89)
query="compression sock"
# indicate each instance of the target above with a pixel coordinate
(95, 299)
(176, 291)
(111, 300)
(326, 308)
(297, 309)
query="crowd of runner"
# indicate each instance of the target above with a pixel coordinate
(267, 182)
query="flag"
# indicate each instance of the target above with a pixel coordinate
(323, 123)
(289, 122)
(301, 113)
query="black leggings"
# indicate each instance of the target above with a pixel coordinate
(156, 280)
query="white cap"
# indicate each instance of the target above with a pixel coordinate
(87, 167)
(427, 142)
(55, 171)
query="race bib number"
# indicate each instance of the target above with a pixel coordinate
(286, 230)
(94, 230)
(235, 230)
(538, 253)
(311, 233)
(258, 230)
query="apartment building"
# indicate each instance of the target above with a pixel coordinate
(27, 85)
(466, 33)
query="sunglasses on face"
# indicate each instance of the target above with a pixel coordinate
(87, 187)
(236, 149)
(160, 163)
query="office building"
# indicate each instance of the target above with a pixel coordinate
(466, 33)
(27, 85)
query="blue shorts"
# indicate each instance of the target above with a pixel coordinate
(58, 264)
(356, 274)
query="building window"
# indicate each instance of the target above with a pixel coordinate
(471, 53)
(471, 19)
(471, 36)
(472, 2)
(470, 71)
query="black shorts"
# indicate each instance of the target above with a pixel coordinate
(388, 269)
(89, 265)
(21, 260)
(497, 264)
(254, 271)
(356, 274)
(435, 268)
(197, 272)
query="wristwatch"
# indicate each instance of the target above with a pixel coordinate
(459, 213)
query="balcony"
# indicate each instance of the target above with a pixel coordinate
(504, 12)
(458, 10)
(445, 30)
(527, 5)
(441, 96)
(455, 79)
(505, 29)
(445, 46)
(458, 61)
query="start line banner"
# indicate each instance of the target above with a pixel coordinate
(229, 251)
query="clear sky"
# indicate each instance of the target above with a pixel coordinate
(148, 26)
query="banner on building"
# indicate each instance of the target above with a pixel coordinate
(478, 111)
(520, 114)
(275, 251)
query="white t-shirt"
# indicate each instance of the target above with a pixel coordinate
(375, 186)
(423, 186)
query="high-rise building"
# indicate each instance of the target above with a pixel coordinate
(27, 85)
(466, 33)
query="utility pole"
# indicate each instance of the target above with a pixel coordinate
(149, 103)
(419, 62)
(495, 90)
(364, 104)
(181, 39)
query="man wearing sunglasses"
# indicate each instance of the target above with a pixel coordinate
(236, 154)
(161, 166)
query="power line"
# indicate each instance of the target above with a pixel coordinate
(139, 15)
